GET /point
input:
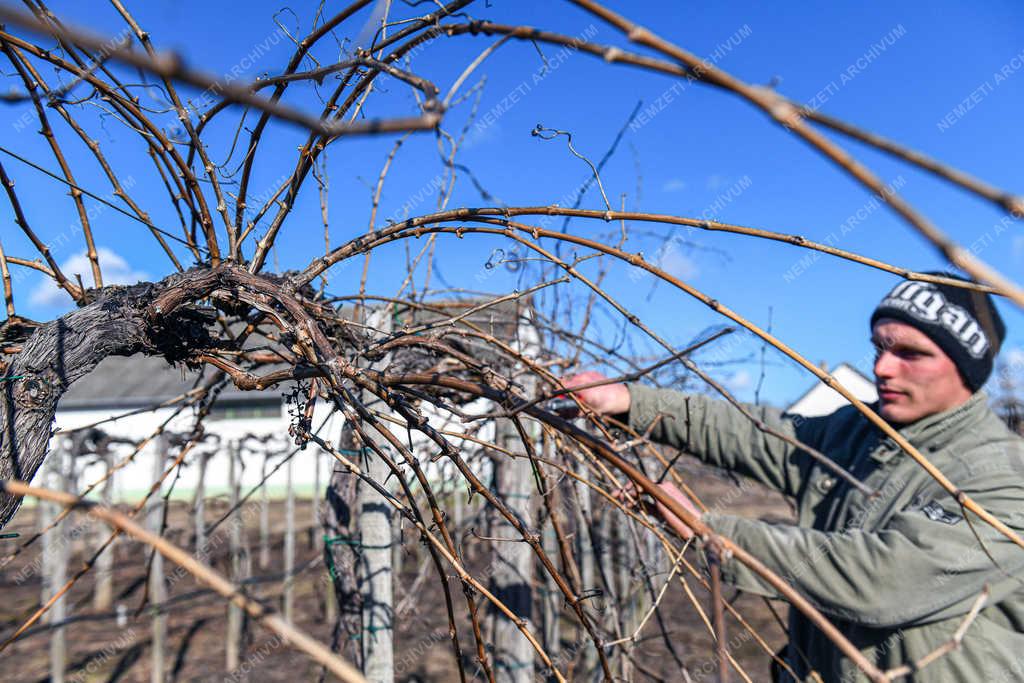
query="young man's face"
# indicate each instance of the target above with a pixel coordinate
(915, 378)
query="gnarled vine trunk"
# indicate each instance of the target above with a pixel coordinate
(146, 318)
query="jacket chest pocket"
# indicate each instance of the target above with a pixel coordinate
(892, 486)
(856, 509)
(866, 514)
(836, 504)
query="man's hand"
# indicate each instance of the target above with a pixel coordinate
(679, 525)
(607, 399)
(631, 492)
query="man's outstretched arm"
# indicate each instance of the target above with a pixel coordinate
(922, 567)
(714, 431)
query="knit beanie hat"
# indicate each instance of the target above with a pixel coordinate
(964, 323)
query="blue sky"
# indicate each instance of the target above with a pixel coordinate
(898, 69)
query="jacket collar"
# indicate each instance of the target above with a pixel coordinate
(933, 432)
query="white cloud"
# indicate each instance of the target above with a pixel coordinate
(739, 380)
(673, 185)
(674, 262)
(114, 268)
(714, 181)
(482, 132)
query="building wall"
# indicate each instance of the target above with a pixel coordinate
(133, 480)
(136, 477)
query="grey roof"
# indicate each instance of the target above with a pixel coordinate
(141, 381)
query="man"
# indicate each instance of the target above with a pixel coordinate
(898, 571)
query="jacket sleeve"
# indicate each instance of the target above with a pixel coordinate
(925, 565)
(719, 434)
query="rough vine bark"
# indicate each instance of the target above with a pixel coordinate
(55, 356)
(149, 318)
(340, 558)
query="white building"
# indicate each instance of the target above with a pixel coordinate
(118, 397)
(822, 400)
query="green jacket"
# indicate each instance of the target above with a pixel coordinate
(896, 573)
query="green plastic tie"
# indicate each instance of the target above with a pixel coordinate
(369, 629)
(348, 540)
(354, 452)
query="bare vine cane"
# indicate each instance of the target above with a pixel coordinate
(203, 573)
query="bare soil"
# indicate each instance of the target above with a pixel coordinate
(100, 650)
